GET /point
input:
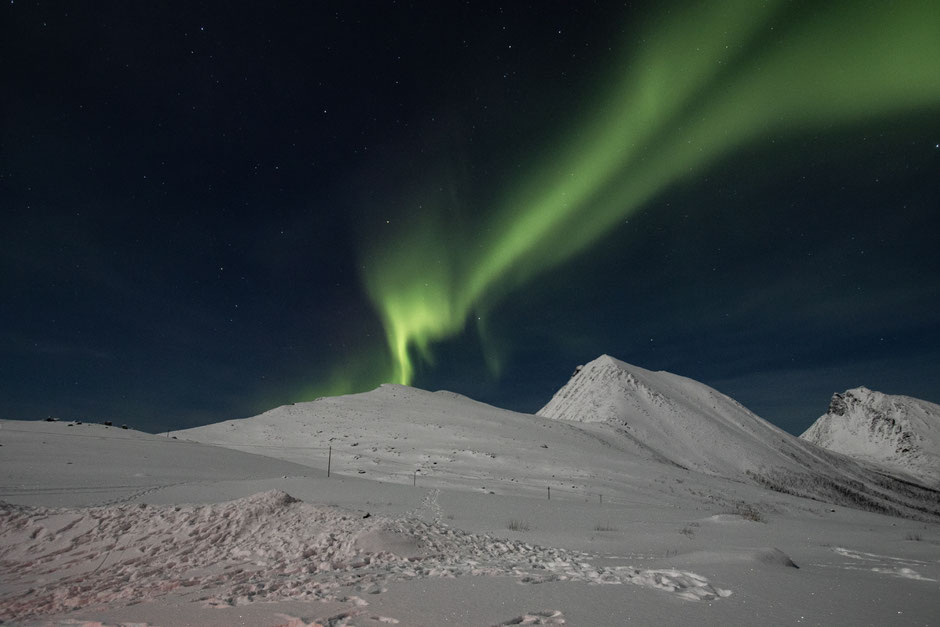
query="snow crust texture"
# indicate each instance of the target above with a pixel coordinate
(900, 432)
(267, 547)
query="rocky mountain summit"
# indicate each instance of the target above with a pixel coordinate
(898, 432)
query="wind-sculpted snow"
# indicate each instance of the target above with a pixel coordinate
(901, 567)
(269, 546)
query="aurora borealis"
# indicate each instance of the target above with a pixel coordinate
(709, 80)
(213, 210)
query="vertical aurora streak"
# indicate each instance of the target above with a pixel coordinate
(696, 86)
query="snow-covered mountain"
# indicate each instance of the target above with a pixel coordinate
(687, 423)
(653, 477)
(613, 432)
(900, 432)
(681, 420)
(103, 527)
(403, 434)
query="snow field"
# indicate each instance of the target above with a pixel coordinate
(266, 547)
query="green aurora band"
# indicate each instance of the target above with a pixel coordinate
(699, 84)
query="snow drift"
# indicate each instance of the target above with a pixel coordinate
(266, 547)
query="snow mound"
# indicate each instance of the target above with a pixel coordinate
(269, 501)
(774, 557)
(549, 617)
(900, 432)
(269, 546)
(770, 556)
(728, 518)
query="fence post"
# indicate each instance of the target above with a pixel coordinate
(329, 462)
(549, 493)
(414, 479)
(600, 499)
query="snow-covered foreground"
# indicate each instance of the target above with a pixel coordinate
(149, 530)
(267, 547)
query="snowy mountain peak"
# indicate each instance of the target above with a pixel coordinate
(897, 431)
(841, 403)
(679, 419)
(682, 422)
(603, 390)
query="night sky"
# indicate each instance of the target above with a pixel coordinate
(211, 209)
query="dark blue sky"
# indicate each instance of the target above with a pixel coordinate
(183, 189)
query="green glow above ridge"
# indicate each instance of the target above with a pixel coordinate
(698, 85)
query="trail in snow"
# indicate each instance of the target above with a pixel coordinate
(269, 546)
(901, 567)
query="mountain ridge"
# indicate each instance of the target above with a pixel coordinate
(694, 426)
(899, 432)
(710, 448)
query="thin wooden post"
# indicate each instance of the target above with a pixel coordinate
(329, 462)
(549, 493)
(414, 479)
(600, 499)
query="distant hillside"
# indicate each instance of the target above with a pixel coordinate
(628, 434)
(900, 432)
(689, 424)
(403, 434)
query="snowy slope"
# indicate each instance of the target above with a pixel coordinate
(612, 432)
(688, 423)
(898, 431)
(268, 547)
(406, 435)
(185, 534)
(77, 464)
(693, 426)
